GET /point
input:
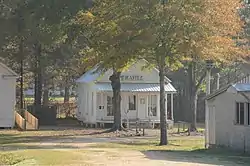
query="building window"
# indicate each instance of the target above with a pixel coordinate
(240, 110)
(152, 105)
(109, 106)
(132, 102)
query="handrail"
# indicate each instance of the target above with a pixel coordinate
(31, 119)
(20, 121)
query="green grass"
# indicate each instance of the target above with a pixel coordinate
(185, 147)
(178, 149)
(19, 148)
(56, 99)
(146, 145)
(44, 157)
(14, 137)
(10, 158)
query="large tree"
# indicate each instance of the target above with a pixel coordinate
(172, 31)
(38, 28)
(191, 32)
(221, 26)
(115, 38)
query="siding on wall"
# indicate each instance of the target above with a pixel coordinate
(7, 101)
(227, 133)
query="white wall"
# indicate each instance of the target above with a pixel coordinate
(88, 109)
(86, 103)
(226, 132)
(7, 101)
(141, 109)
(149, 75)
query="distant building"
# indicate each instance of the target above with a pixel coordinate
(140, 93)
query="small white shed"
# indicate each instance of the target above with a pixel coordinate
(229, 117)
(139, 92)
(7, 96)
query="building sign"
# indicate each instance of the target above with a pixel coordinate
(131, 78)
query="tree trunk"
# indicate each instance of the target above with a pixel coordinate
(35, 87)
(193, 94)
(163, 118)
(194, 99)
(20, 27)
(116, 105)
(66, 94)
(21, 75)
(38, 76)
(45, 93)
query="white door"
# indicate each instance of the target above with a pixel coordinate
(211, 127)
(142, 108)
(152, 106)
(99, 106)
(109, 110)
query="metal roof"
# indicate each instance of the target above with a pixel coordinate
(90, 76)
(242, 87)
(132, 87)
(239, 87)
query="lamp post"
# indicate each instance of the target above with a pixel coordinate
(209, 66)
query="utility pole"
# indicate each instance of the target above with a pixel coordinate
(209, 65)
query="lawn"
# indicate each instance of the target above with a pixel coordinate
(183, 149)
(44, 157)
(38, 148)
(55, 99)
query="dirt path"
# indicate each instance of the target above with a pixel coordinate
(121, 157)
(135, 158)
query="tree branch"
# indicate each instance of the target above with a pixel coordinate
(200, 81)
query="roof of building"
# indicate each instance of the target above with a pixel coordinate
(90, 76)
(135, 87)
(9, 70)
(239, 87)
(242, 87)
(94, 74)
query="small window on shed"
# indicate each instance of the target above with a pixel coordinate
(240, 109)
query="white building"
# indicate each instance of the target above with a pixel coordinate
(139, 92)
(229, 117)
(7, 96)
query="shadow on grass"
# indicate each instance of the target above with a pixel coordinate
(189, 151)
(200, 156)
(141, 144)
(46, 134)
(35, 147)
(15, 138)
